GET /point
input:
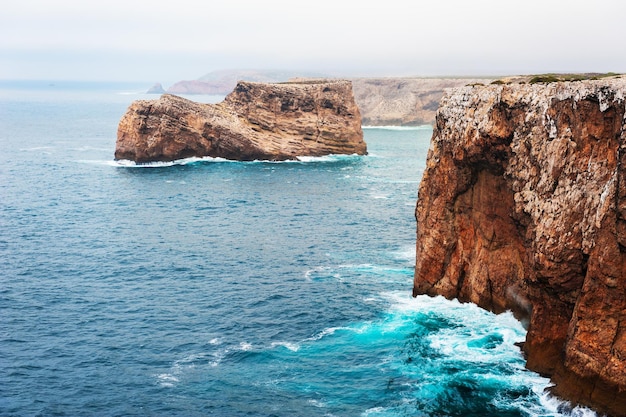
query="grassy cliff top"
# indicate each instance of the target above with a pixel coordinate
(556, 77)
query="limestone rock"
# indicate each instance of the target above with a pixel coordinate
(256, 121)
(523, 206)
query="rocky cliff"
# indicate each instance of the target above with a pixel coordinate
(523, 206)
(256, 121)
(403, 101)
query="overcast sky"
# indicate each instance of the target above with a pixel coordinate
(167, 41)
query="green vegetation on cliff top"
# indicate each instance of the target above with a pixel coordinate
(550, 78)
(554, 77)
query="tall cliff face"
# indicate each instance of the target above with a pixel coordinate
(523, 207)
(256, 121)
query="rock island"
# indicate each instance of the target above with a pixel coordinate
(257, 121)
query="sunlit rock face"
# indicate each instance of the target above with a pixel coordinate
(256, 121)
(523, 207)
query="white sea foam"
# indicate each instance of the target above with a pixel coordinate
(217, 357)
(321, 270)
(167, 380)
(94, 162)
(384, 273)
(294, 347)
(245, 346)
(329, 332)
(402, 301)
(561, 407)
(406, 253)
(326, 158)
(467, 314)
(464, 344)
(125, 163)
(316, 403)
(377, 411)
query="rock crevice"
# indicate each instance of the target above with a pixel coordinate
(523, 206)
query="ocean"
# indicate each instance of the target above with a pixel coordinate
(212, 287)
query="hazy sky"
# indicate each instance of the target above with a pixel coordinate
(172, 40)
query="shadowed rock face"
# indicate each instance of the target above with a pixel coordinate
(523, 207)
(256, 121)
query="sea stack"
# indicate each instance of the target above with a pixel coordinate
(157, 88)
(257, 121)
(523, 206)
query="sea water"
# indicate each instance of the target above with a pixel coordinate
(213, 287)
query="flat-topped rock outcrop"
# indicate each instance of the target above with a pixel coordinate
(523, 206)
(257, 121)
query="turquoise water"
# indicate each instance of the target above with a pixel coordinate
(212, 287)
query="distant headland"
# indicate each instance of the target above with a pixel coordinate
(382, 101)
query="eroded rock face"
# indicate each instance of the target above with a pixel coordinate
(523, 207)
(256, 121)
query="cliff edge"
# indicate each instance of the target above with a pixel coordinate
(523, 206)
(256, 121)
